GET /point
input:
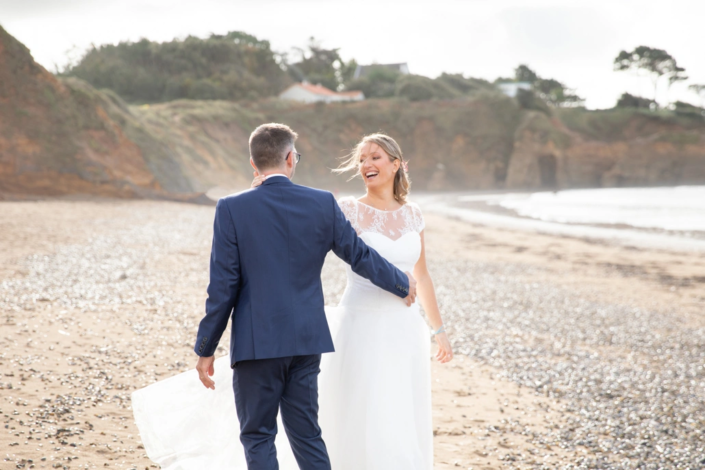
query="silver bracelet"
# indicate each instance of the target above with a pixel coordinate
(439, 330)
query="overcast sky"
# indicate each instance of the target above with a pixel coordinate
(574, 41)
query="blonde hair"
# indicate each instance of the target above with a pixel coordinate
(402, 183)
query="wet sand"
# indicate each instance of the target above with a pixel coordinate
(570, 352)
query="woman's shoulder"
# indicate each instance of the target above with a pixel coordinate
(413, 206)
(415, 216)
(347, 200)
(348, 205)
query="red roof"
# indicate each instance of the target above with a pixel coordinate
(317, 89)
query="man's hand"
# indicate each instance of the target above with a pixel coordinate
(205, 371)
(411, 298)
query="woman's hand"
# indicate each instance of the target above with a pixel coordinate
(445, 351)
(258, 180)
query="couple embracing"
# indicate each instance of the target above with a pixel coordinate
(269, 246)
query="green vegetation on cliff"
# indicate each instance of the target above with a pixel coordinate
(381, 82)
(234, 66)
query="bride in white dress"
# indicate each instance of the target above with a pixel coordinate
(374, 391)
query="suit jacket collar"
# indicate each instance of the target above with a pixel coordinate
(276, 180)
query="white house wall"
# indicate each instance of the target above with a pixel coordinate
(301, 94)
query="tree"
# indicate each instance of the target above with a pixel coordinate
(233, 66)
(529, 100)
(677, 75)
(379, 82)
(631, 101)
(415, 88)
(347, 71)
(700, 91)
(687, 109)
(385, 82)
(319, 65)
(240, 37)
(524, 74)
(549, 90)
(420, 88)
(555, 93)
(656, 62)
(463, 85)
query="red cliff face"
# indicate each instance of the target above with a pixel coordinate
(56, 138)
(635, 149)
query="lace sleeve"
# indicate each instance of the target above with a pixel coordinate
(349, 207)
(419, 223)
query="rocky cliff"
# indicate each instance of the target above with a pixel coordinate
(61, 136)
(611, 148)
(482, 143)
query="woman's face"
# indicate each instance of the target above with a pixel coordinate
(376, 166)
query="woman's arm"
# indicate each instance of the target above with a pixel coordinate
(427, 297)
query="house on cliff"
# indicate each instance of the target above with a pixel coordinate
(309, 93)
(512, 88)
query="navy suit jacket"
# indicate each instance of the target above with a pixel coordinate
(269, 246)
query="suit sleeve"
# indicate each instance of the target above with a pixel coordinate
(224, 282)
(363, 260)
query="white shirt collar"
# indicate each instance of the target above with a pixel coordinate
(276, 174)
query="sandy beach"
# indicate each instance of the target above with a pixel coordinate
(571, 352)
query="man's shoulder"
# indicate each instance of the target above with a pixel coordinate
(313, 192)
(238, 197)
(248, 196)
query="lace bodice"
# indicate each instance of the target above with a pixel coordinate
(392, 224)
(393, 234)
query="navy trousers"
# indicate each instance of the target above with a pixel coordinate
(264, 386)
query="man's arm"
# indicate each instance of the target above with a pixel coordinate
(366, 262)
(223, 286)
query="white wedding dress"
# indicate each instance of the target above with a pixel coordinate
(374, 391)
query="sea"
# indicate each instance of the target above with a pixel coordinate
(657, 217)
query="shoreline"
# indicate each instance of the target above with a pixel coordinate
(624, 235)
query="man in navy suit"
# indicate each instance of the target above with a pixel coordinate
(269, 246)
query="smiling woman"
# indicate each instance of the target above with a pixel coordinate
(377, 158)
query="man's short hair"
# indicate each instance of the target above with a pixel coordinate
(269, 144)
